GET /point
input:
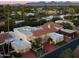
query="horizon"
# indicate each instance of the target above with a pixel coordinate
(23, 2)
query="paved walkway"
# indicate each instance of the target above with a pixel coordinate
(49, 47)
(29, 54)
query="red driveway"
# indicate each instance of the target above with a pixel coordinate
(49, 47)
(29, 54)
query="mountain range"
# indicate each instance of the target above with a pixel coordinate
(43, 3)
(51, 3)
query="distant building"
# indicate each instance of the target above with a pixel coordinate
(52, 12)
(2, 23)
(48, 18)
(19, 21)
(30, 14)
(65, 21)
(13, 13)
(19, 12)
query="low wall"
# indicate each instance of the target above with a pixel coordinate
(56, 52)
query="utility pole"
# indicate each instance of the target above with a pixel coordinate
(8, 32)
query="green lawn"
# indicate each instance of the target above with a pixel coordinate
(61, 43)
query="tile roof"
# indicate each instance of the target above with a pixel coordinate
(47, 28)
(4, 36)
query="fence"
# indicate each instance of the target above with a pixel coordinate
(56, 53)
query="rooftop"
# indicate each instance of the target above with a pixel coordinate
(4, 37)
(47, 28)
(18, 43)
(27, 30)
(55, 35)
(67, 30)
(40, 30)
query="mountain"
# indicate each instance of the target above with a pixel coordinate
(43, 3)
(51, 3)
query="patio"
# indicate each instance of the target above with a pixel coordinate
(29, 54)
(49, 47)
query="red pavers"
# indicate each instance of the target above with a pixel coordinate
(49, 47)
(29, 54)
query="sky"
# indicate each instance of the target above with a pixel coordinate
(25, 1)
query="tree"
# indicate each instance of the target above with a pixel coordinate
(67, 54)
(56, 18)
(67, 26)
(76, 22)
(11, 24)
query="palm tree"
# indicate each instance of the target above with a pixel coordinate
(7, 11)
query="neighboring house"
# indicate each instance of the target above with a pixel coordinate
(39, 8)
(56, 38)
(4, 38)
(19, 12)
(13, 13)
(20, 45)
(2, 23)
(52, 12)
(48, 18)
(24, 32)
(30, 14)
(65, 21)
(19, 21)
(68, 33)
(30, 33)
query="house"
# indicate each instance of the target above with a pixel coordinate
(25, 32)
(4, 38)
(30, 33)
(19, 21)
(52, 12)
(48, 18)
(56, 38)
(20, 45)
(30, 14)
(65, 21)
(68, 33)
(13, 13)
(19, 12)
(2, 23)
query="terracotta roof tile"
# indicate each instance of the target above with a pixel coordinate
(4, 37)
(47, 28)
